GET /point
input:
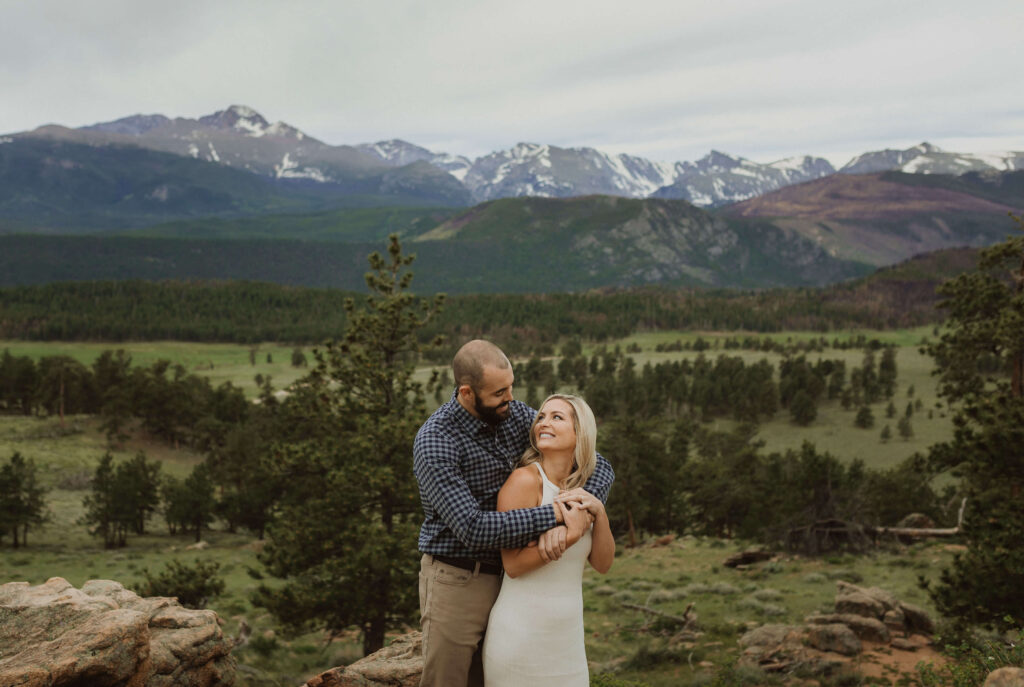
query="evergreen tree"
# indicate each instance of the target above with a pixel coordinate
(980, 361)
(21, 499)
(904, 427)
(865, 419)
(802, 408)
(345, 535)
(103, 512)
(886, 434)
(189, 505)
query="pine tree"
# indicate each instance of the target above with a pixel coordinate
(865, 419)
(345, 536)
(980, 361)
(802, 408)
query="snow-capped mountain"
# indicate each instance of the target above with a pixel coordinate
(719, 179)
(240, 137)
(397, 152)
(928, 159)
(531, 169)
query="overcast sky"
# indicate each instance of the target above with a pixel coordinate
(764, 79)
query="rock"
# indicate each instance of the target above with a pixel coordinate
(767, 635)
(198, 546)
(895, 620)
(859, 603)
(781, 648)
(870, 629)
(104, 634)
(1005, 677)
(834, 637)
(916, 619)
(904, 644)
(747, 557)
(917, 521)
(399, 664)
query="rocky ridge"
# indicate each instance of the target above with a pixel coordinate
(103, 634)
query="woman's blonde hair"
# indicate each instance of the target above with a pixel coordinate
(585, 453)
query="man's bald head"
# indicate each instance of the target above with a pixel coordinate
(469, 363)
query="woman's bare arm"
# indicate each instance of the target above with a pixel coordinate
(523, 490)
(602, 549)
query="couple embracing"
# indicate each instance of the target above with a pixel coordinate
(514, 506)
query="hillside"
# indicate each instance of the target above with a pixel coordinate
(54, 184)
(883, 218)
(610, 241)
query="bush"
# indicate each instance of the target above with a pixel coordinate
(193, 586)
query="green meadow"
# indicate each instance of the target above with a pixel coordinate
(632, 645)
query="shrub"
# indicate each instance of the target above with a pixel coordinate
(193, 586)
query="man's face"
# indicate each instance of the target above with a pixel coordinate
(491, 400)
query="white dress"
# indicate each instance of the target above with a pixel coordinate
(535, 633)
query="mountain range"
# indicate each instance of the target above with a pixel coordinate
(239, 137)
(231, 195)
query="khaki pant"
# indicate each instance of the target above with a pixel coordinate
(454, 607)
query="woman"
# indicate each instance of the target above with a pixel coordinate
(535, 632)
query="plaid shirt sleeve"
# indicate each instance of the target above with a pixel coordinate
(444, 490)
(600, 483)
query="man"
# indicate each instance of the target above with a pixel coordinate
(462, 456)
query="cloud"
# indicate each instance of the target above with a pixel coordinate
(667, 80)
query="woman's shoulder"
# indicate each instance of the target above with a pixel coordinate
(521, 489)
(528, 475)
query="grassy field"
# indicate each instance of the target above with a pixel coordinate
(666, 578)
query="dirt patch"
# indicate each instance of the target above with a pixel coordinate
(882, 660)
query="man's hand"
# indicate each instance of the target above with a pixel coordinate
(583, 498)
(552, 544)
(577, 521)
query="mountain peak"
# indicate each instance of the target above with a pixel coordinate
(245, 120)
(927, 148)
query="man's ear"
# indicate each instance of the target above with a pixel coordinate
(466, 391)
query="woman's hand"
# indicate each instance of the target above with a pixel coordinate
(577, 521)
(584, 499)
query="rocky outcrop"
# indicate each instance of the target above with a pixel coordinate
(399, 664)
(1005, 677)
(862, 615)
(55, 635)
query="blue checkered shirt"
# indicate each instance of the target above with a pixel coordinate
(460, 463)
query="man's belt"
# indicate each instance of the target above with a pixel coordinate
(470, 564)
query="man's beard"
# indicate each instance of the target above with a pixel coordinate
(490, 414)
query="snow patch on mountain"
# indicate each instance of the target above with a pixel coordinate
(926, 158)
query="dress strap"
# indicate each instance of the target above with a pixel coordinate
(544, 476)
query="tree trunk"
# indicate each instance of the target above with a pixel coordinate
(632, 531)
(373, 635)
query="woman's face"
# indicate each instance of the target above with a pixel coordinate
(554, 430)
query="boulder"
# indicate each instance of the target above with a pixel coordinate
(399, 664)
(859, 603)
(834, 637)
(782, 648)
(916, 521)
(870, 629)
(103, 634)
(1005, 677)
(916, 619)
(895, 620)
